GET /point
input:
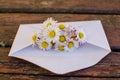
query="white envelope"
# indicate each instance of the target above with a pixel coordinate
(87, 55)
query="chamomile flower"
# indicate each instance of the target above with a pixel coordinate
(72, 44)
(52, 34)
(44, 44)
(62, 38)
(81, 36)
(60, 47)
(62, 26)
(49, 22)
(34, 38)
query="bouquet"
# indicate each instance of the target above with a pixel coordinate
(58, 36)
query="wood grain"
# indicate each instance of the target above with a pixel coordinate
(10, 22)
(69, 6)
(108, 67)
(38, 77)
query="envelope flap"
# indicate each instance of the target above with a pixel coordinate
(22, 39)
(95, 34)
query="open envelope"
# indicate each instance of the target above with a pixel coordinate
(89, 54)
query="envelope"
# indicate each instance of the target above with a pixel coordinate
(89, 54)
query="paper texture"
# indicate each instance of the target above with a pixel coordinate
(89, 54)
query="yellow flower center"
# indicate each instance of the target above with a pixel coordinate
(48, 24)
(61, 26)
(70, 44)
(81, 35)
(62, 39)
(44, 44)
(61, 48)
(34, 38)
(52, 34)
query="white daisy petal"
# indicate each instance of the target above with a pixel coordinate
(60, 47)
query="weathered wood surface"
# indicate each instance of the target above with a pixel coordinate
(65, 6)
(38, 77)
(9, 24)
(14, 13)
(108, 67)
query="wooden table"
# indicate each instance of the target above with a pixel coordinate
(16, 12)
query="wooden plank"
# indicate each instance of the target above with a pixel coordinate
(38, 77)
(7, 35)
(9, 24)
(71, 6)
(108, 67)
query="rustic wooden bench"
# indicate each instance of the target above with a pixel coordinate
(14, 13)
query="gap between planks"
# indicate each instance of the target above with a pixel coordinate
(61, 11)
(39, 77)
(61, 6)
(61, 76)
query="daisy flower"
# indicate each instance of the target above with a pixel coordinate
(34, 38)
(49, 22)
(52, 34)
(81, 35)
(44, 44)
(72, 44)
(62, 38)
(62, 26)
(60, 47)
